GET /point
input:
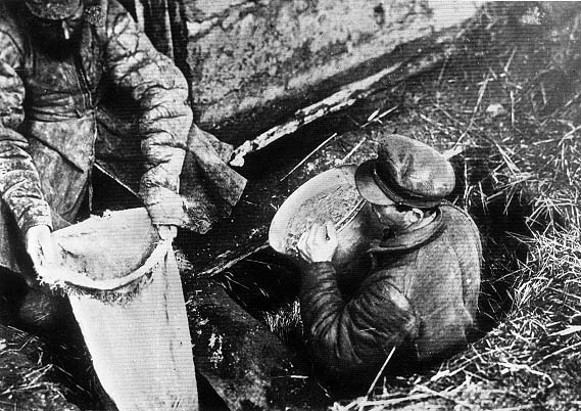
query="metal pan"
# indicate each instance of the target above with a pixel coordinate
(337, 200)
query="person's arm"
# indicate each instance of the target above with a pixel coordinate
(162, 94)
(20, 186)
(355, 335)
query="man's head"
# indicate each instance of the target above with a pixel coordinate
(56, 22)
(406, 182)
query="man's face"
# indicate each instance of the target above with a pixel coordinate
(57, 33)
(392, 217)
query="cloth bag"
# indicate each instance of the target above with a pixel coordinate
(125, 290)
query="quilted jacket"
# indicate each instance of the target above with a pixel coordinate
(420, 297)
(48, 118)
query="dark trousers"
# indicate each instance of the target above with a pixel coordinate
(33, 309)
(13, 290)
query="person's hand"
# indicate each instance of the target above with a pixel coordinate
(167, 232)
(40, 248)
(318, 244)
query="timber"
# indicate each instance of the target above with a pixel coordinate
(255, 63)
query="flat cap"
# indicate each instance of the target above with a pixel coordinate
(405, 172)
(53, 9)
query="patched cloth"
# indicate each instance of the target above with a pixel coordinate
(406, 172)
(420, 296)
(47, 143)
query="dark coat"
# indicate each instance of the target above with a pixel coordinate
(420, 296)
(48, 120)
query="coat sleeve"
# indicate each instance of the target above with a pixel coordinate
(20, 186)
(161, 92)
(346, 337)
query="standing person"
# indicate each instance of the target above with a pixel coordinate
(419, 298)
(56, 59)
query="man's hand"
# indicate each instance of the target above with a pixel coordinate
(318, 244)
(167, 232)
(40, 247)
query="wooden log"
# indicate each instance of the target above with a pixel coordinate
(346, 97)
(258, 62)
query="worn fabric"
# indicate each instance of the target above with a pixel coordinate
(420, 296)
(48, 103)
(124, 288)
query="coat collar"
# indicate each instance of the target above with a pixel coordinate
(409, 239)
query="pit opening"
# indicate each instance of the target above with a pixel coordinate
(266, 283)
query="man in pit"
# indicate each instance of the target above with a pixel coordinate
(415, 302)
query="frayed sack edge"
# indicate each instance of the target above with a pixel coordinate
(116, 291)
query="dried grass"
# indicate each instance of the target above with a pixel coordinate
(25, 381)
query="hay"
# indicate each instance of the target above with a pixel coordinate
(26, 377)
(286, 322)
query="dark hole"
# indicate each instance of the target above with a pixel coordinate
(379, 14)
(266, 283)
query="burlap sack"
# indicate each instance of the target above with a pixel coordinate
(125, 290)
